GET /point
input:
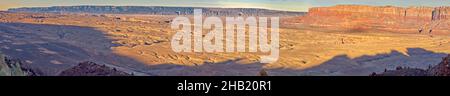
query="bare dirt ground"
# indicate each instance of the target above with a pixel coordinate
(141, 44)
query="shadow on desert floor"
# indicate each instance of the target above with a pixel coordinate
(53, 48)
(343, 65)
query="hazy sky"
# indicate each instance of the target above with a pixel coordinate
(291, 5)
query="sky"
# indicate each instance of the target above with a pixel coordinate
(288, 5)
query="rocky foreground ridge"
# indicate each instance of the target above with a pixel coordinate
(93, 69)
(442, 69)
(15, 67)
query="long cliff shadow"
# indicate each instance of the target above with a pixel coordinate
(53, 48)
(225, 68)
(343, 65)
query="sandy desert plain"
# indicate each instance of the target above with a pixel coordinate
(140, 44)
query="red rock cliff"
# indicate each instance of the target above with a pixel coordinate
(361, 10)
(382, 11)
(383, 17)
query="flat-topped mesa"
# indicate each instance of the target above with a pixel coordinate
(381, 11)
(157, 10)
(389, 18)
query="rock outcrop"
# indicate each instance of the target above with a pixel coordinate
(93, 69)
(14, 67)
(11, 67)
(442, 69)
(157, 10)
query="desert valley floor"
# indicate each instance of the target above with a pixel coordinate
(141, 44)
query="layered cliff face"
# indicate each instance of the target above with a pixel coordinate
(440, 13)
(373, 11)
(427, 13)
(390, 18)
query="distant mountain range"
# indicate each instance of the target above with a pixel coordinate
(157, 10)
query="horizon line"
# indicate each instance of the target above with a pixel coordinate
(154, 6)
(274, 9)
